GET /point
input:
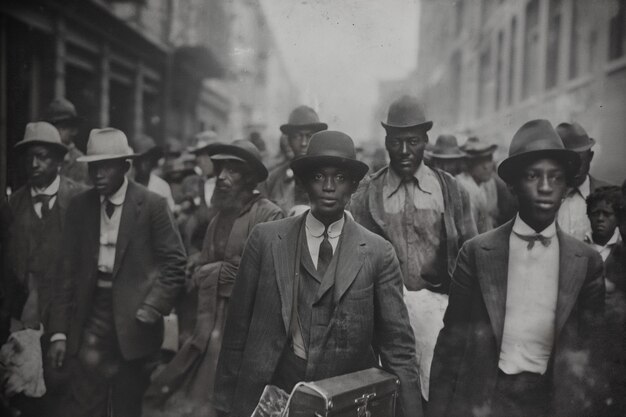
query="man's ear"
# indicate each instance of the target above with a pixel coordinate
(591, 156)
(127, 165)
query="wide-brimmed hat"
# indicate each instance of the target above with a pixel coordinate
(302, 118)
(61, 110)
(406, 112)
(333, 148)
(574, 137)
(202, 141)
(445, 147)
(107, 143)
(476, 148)
(41, 133)
(240, 150)
(145, 146)
(536, 139)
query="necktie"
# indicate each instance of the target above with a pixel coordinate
(109, 209)
(44, 199)
(325, 254)
(545, 241)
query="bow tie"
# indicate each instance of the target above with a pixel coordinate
(545, 241)
(43, 198)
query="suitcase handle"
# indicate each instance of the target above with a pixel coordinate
(312, 386)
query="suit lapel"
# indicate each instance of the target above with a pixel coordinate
(349, 260)
(284, 252)
(493, 261)
(572, 267)
(130, 211)
(92, 223)
(376, 203)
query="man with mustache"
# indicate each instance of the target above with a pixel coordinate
(317, 294)
(123, 268)
(523, 329)
(424, 213)
(188, 380)
(34, 247)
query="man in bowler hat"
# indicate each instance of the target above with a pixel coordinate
(572, 217)
(62, 114)
(522, 330)
(282, 186)
(190, 377)
(123, 267)
(317, 294)
(424, 213)
(445, 155)
(34, 246)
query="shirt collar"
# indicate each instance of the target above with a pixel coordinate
(51, 189)
(119, 196)
(521, 228)
(585, 188)
(316, 228)
(421, 174)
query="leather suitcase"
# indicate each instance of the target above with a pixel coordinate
(368, 393)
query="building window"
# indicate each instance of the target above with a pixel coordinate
(553, 50)
(583, 39)
(530, 78)
(483, 81)
(499, 67)
(617, 31)
(512, 60)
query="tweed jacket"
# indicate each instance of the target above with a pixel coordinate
(149, 269)
(23, 214)
(367, 208)
(368, 322)
(465, 365)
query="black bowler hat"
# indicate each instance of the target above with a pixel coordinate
(406, 112)
(534, 140)
(574, 137)
(240, 150)
(303, 117)
(330, 147)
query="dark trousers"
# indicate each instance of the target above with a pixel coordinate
(291, 369)
(521, 395)
(105, 383)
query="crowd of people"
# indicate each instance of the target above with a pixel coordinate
(147, 280)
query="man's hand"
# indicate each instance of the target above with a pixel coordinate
(148, 315)
(56, 353)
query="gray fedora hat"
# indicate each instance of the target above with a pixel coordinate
(534, 140)
(332, 148)
(41, 133)
(406, 112)
(445, 147)
(240, 150)
(475, 148)
(107, 143)
(61, 110)
(574, 137)
(303, 117)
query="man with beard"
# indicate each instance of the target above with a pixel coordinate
(523, 330)
(34, 246)
(187, 382)
(572, 216)
(282, 186)
(426, 216)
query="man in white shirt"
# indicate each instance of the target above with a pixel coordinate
(572, 217)
(123, 268)
(522, 332)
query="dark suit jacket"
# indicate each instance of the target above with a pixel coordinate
(149, 269)
(369, 316)
(23, 214)
(465, 364)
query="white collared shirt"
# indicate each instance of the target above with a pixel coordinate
(572, 217)
(51, 189)
(315, 235)
(605, 250)
(425, 193)
(109, 228)
(158, 185)
(209, 187)
(532, 290)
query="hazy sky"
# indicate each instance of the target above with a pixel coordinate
(338, 50)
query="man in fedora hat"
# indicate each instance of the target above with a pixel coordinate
(62, 114)
(281, 186)
(523, 327)
(572, 216)
(445, 155)
(144, 164)
(492, 203)
(124, 265)
(34, 246)
(424, 213)
(317, 294)
(190, 376)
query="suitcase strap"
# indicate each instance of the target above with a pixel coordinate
(361, 401)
